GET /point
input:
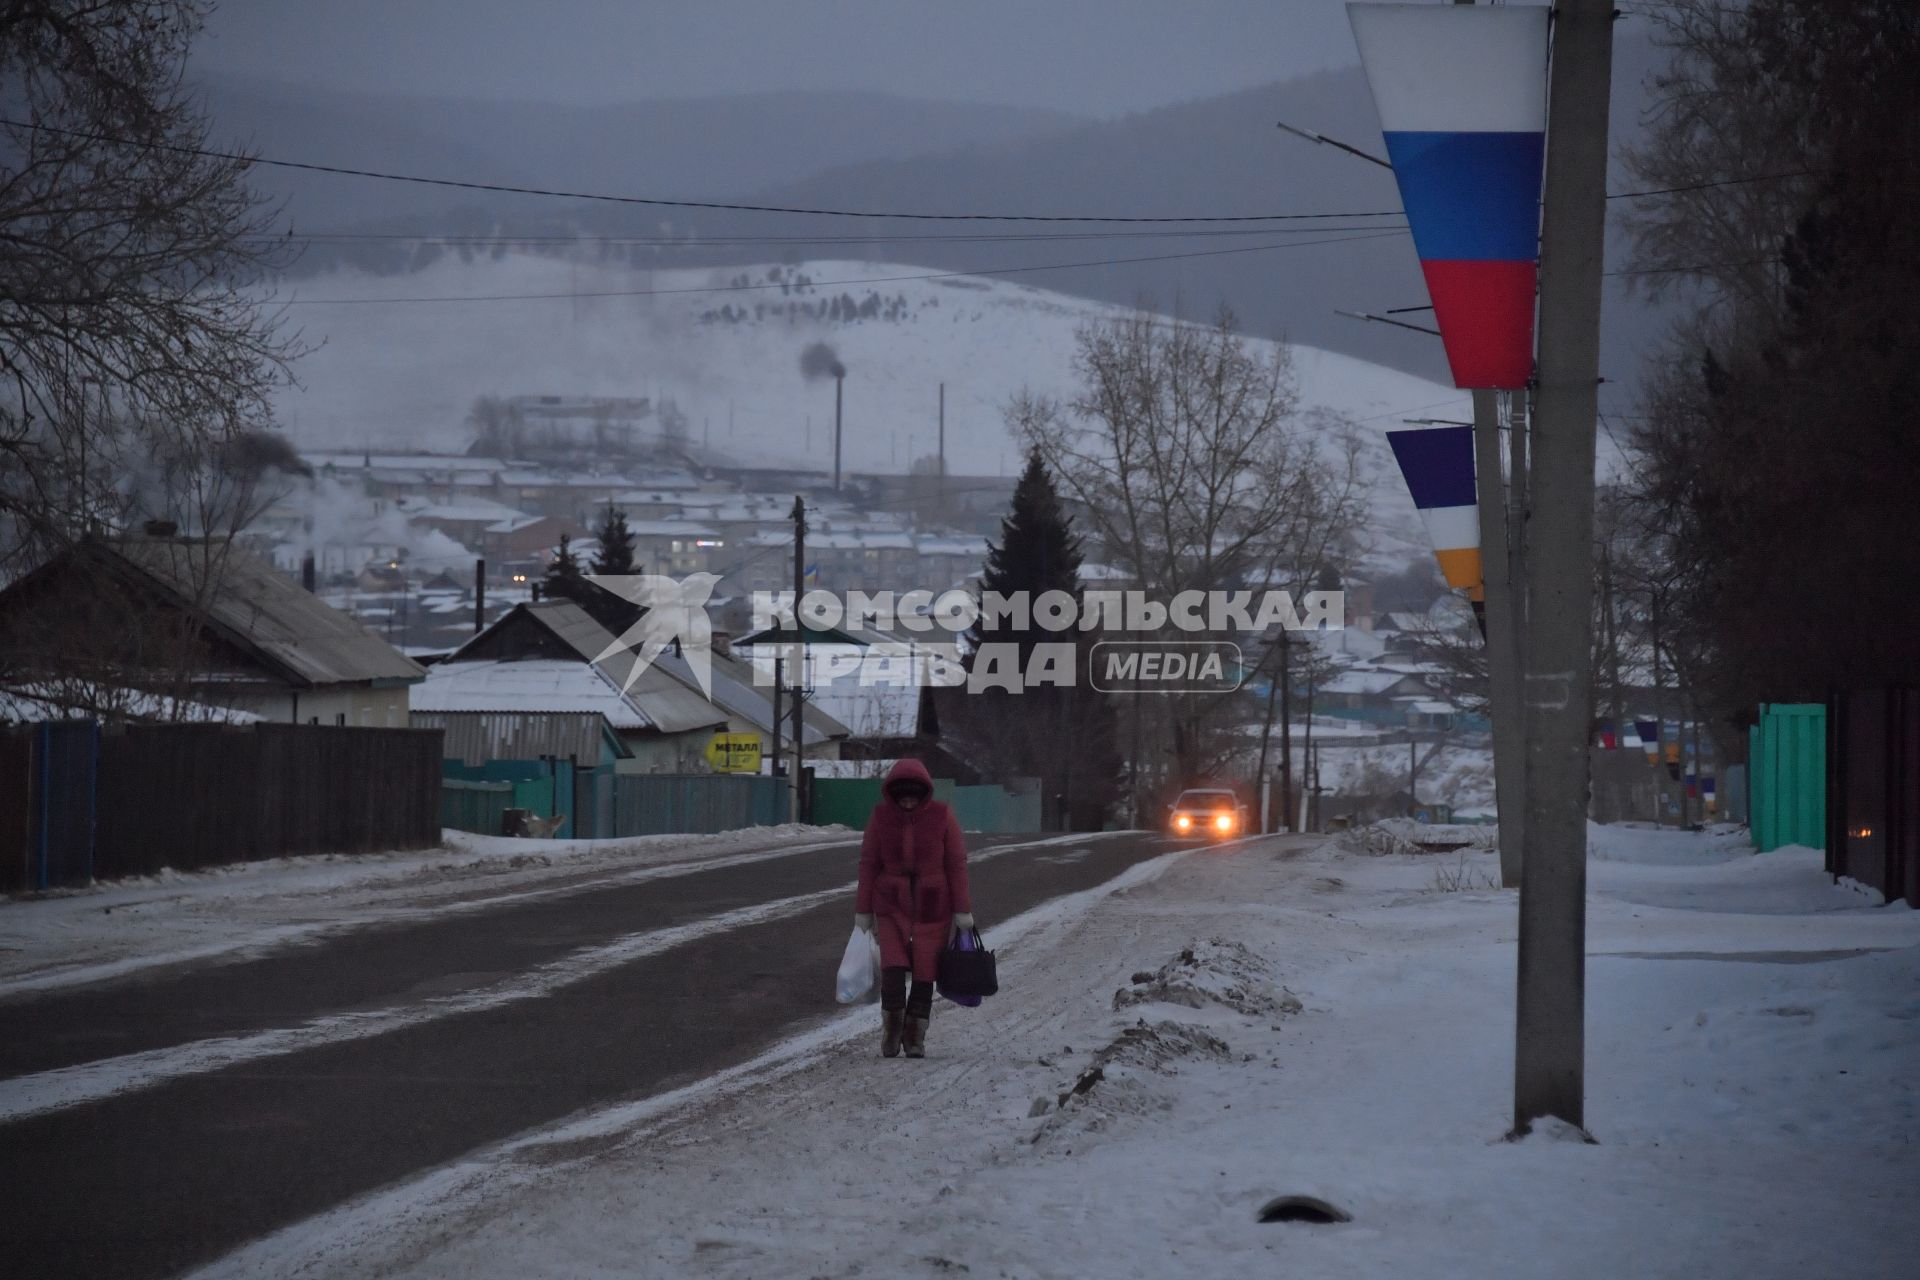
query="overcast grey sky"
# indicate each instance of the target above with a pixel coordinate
(1095, 57)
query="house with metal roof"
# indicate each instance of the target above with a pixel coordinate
(671, 718)
(199, 620)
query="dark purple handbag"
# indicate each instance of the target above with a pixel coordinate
(966, 975)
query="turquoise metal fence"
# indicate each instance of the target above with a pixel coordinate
(697, 803)
(1787, 776)
(844, 801)
(996, 809)
(474, 806)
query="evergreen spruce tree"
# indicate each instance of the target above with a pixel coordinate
(616, 545)
(1037, 552)
(564, 580)
(1064, 736)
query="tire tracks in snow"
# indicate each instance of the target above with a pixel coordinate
(42, 1092)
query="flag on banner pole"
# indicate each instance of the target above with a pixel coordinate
(1462, 96)
(1438, 465)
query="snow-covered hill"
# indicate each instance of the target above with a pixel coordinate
(392, 370)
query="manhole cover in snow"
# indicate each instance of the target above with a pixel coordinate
(1302, 1209)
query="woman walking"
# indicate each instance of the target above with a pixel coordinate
(913, 894)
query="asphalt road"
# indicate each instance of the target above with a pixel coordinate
(159, 1179)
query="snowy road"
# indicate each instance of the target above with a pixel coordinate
(162, 1117)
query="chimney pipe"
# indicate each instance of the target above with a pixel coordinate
(839, 381)
(479, 596)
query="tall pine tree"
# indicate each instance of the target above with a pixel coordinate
(1037, 552)
(616, 545)
(564, 580)
(1065, 736)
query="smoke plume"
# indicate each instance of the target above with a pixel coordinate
(820, 361)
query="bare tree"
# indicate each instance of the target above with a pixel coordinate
(1194, 468)
(130, 258)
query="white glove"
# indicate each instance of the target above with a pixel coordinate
(962, 921)
(863, 920)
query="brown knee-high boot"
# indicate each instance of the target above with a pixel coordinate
(919, 1012)
(892, 1024)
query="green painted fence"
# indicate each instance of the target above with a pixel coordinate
(1787, 776)
(647, 804)
(479, 807)
(846, 801)
(988, 808)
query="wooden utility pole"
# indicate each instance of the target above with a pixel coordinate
(774, 759)
(1286, 733)
(1550, 1022)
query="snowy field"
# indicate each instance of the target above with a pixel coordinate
(1221, 1027)
(390, 374)
(71, 937)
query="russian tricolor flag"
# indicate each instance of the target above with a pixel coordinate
(1438, 465)
(1461, 91)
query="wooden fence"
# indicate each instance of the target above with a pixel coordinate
(80, 801)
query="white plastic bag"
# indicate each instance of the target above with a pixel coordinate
(859, 967)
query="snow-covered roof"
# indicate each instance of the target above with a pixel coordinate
(466, 510)
(951, 545)
(871, 710)
(736, 691)
(536, 685)
(261, 608)
(670, 529)
(514, 523)
(41, 702)
(1362, 682)
(356, 459)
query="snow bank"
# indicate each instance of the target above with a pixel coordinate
(1217, 1031)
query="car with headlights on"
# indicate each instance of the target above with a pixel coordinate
(1207, 813)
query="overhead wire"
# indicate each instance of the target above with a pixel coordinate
(822, 284)
(511, 239)
(660, 202)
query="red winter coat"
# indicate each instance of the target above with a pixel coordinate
(913, 875)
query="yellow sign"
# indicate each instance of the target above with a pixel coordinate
(734, 752)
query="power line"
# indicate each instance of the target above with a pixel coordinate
(655, 202)
(1694, 268)
(825, 284)
(709, 242)
(1707, 186)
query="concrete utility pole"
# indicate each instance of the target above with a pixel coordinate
(1550, 1026)
(794, 668)
(1503, 637)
